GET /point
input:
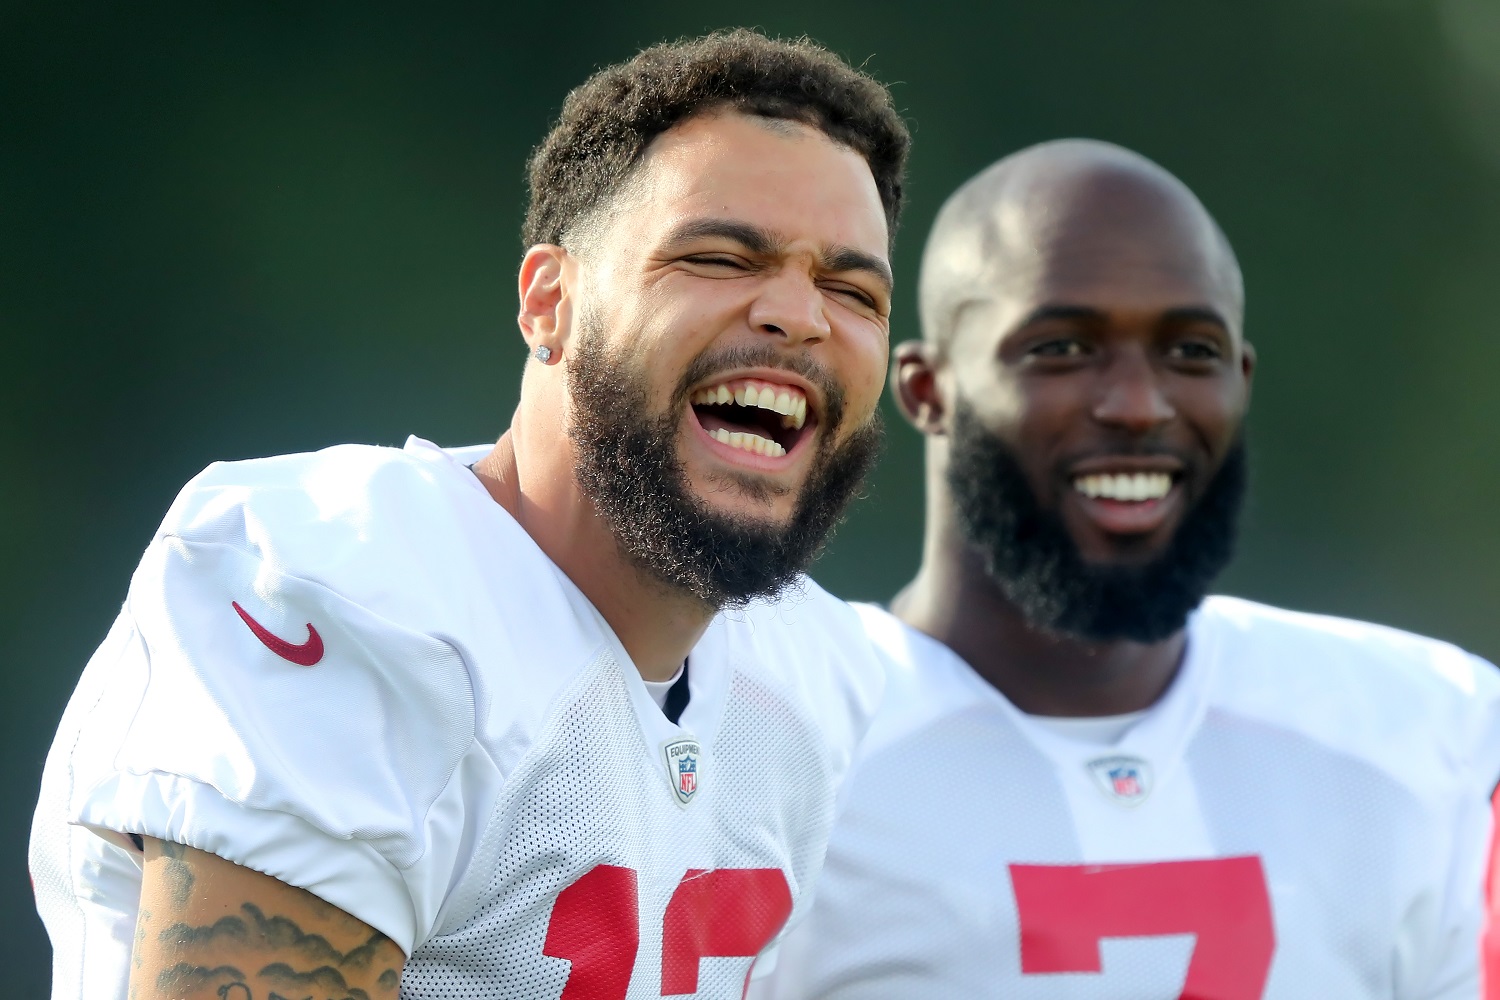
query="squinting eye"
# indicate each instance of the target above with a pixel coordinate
(715, 261)
(862, 298)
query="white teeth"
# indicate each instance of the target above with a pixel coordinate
(792, 406)
(1124, 486)
(795, 414)
(748, 442)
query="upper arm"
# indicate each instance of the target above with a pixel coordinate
(211, 930)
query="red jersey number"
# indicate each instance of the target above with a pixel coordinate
(1066, 910)
(718, 913)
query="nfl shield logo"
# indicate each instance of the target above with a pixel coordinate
(1127, 780)
(682, 768)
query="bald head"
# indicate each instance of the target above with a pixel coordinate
(1068, 220)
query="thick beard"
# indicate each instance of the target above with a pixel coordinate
(1039, 569)
(627, 466)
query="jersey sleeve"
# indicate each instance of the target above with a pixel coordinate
(262, 717)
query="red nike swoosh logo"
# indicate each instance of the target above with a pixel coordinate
(304, 654)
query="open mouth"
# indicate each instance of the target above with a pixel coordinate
(754, 415)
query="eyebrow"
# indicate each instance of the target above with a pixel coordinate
(1184, 314)
(1201, 314)
(1041, 313)
(764, 242)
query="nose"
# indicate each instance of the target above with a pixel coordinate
(1131, 396)
(790, 306)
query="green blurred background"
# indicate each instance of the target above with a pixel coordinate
(241, 231)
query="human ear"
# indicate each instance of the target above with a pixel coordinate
(914, 384)
(1247, 366)
(545, 317)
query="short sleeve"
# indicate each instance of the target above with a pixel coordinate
(271, 721)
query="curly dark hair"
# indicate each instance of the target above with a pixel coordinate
(608, 121)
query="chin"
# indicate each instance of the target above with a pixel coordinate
(746, 499)
(1126, 552)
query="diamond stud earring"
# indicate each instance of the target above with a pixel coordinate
(543, 353)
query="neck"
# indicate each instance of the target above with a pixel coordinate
(954, 600)
(533, 481)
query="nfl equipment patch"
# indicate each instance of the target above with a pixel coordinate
(1127, 780)
(682, 768)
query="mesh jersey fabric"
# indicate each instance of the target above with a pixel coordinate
(1303, 814)
(470, 763)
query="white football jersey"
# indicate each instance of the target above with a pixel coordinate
(1304, 814)
(354, 671)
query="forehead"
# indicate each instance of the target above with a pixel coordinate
(783, 176)
(1120, 246)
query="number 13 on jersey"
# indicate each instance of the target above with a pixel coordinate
(721, 913)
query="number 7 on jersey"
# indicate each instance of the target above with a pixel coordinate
(1066, 910)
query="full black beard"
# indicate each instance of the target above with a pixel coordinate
(627, 466)
(1030, 554)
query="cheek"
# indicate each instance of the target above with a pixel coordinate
(1002, 401)
(864, 371)
(1212, 409)
(683, 321)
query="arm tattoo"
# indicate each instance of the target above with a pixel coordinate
(177, 873)
(325, 980)
(185, 977)
(322, 972)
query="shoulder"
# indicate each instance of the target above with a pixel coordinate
(318, 510)
(404, 533)
(926, 682)
(1324, 648)
(307, 600)
(293, 682)
(1403, 699)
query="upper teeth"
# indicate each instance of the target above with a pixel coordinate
(1124, 485)
(785, 400)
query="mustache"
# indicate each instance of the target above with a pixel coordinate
(713, 361)
(1125, 446)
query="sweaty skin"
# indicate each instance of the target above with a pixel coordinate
(793, 254)
(1082, 303)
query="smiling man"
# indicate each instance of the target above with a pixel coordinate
(472, 724)
(1087, 781)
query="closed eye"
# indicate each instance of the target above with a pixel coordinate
(717, 260)
(862, 297)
